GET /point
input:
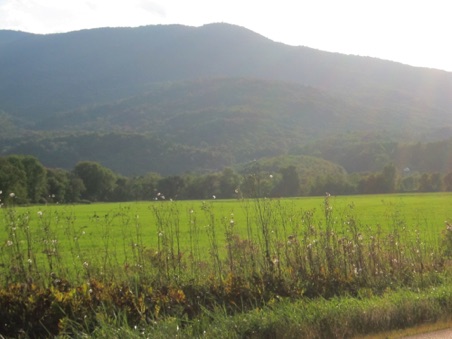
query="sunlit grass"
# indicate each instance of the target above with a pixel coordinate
(184, 258)
(109, 231)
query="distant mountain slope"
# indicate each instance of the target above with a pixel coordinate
(199, 98)
(127, 154)
(43, 74)
(238, 111)
(7, 37)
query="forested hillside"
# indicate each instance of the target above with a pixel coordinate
(175, 99)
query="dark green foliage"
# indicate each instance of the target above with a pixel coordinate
(222, 185)
(128, 154)
(282, 176)
(170, 187)
(430, 182)
(57, 185)
(64, 186)
(295, 176)
(144, 187)
(383, 182)
(99, 181)
(24, 176)
(13, 179)
(36, 178)
(289, 184)
(229, 183)
(447, 181)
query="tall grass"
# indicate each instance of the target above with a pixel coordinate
(62, 276)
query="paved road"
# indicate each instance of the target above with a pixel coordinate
(443, 334)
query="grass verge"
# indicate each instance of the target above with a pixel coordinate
(386, 316)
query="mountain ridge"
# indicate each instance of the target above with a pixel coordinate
(108, 62)
(206, 88)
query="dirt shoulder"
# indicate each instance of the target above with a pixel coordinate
(437, 330)
(442, 334)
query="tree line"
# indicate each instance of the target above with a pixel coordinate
(23, 179)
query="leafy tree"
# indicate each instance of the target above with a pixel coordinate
(289, 185)
(33, 176)
(171, 187)
(436, 182)
(218, 185)
(122, 190)
(430, 182)
(13, 179)
(424, 183)
(387, 179)
(36, 178)
(383, 182)
(145, 187)
(367, 184)
(75, 188)
(203, 187)
(229, 182)
(99, 181)
(331, 184)
(57, 184)
(447, 181)
(409, 183)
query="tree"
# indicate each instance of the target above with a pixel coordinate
(99, 181)
(145, 187)
(331, 184)
(424, 183)
(383, 182)
(387, 179)
(202, 187)
(409, 183)
(229, 182)
(171, 187)
(430, 182)
(367, 184)
(13, 179)
(57, 184)
(75, 188)
(122, 190)
(447, 182)
(30, 175)
(36, 178)
(289, 185)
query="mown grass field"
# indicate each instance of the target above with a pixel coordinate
(182, 261)
(93, 233)
(95, 224)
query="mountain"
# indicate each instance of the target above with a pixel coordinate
(230, 111)
(215, 89)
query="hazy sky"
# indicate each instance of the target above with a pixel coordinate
(415, 32)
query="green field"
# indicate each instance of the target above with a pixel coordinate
(66, 268)
(94, 233)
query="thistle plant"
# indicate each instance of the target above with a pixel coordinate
(447, 239)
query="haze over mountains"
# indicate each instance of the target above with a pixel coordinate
(207, 97)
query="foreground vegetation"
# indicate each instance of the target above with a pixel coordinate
(248, 268)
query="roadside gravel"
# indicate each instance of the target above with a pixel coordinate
(442, 334)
